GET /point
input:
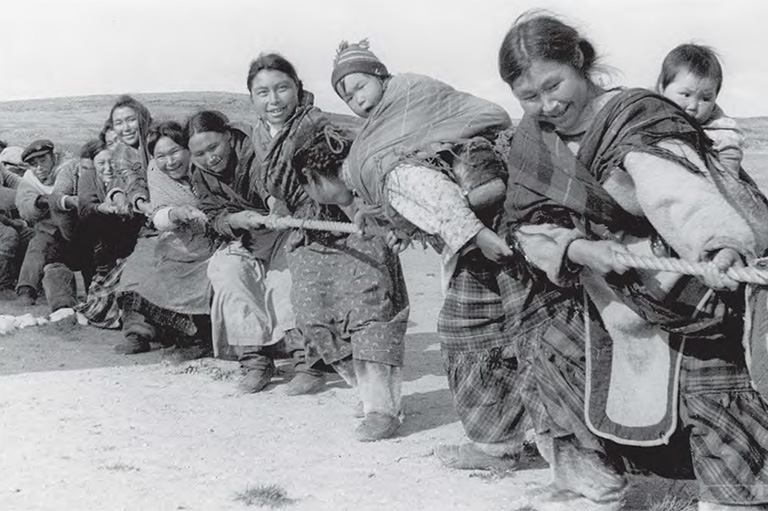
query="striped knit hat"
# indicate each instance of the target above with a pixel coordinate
(355, 58)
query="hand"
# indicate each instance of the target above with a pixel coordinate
(186, 214)
(71, 202)
(106, 208)
(717, 279)
(597, 255)
(397, 243)
(492, 246)
(245, 220)
(296, 239)
(122, 205)
(143, 207)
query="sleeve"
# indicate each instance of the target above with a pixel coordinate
(162, 219)
(131, 176)
(9, 179)
(215, 207)
(545, 246)
(697, 222)
(65, 185)
(26, 197)
(433, 203)
(87, 192)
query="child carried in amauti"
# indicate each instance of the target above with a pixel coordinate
(691, 76)
(424, 162)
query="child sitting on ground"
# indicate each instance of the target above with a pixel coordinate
(692, 77)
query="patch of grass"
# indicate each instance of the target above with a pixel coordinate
(121, 467)
(674, 503)
(265, 495)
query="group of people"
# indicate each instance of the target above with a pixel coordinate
(543, 326)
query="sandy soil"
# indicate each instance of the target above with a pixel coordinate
(82, 428)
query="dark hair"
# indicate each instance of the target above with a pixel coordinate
(538, 36)
(699, 60)
(204, 121)
(3, 145)
(322, 153)
(273, 62)
(145, 118)
(170, 129)
(105, 128)
(91, 148)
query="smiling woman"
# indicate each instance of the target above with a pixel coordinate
(250, 311)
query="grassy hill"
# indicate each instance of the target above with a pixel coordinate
(71, 121)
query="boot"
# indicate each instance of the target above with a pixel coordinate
(469, 457)
(258, 374)
(60, 286)
(308, 381)
(27, 295)
(132, 345)
(376, 426)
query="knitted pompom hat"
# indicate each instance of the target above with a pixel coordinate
(355, 58)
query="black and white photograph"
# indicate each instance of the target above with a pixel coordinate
(383, 255)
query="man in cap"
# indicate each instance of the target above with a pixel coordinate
(32, 202)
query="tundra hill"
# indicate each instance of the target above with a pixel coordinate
(70, 121)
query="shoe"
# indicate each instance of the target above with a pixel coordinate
(469, 457)
(305, 382)
(376, 426)
(132, 345)
(27, 296)
(552, 498)
(256, 379)
(181, 354)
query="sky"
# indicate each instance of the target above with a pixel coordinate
(53, 48)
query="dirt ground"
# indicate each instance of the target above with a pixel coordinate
(82, 428)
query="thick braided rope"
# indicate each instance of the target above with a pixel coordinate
(749, 275)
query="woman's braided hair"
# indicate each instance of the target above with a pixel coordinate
(322, 153)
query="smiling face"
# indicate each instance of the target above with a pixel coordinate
(275, 96)
(171, 158)
(692, 93)
(210, 151)
(362, 92)
(554, 93)
(126, 124)
(101, 162)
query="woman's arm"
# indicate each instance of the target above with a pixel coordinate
(436, 205)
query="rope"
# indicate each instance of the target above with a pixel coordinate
(287, 222)
(751, 275)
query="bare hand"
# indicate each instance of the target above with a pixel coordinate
(397, 243)
(71, 201)
(597, 255)
(246, 220)
(492, 246)
(106, 208)
(717, 279)
(186, 214)
(122, 205)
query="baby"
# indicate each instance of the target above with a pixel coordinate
(692, 77)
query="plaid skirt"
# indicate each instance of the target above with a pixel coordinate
(489, 313)
(722, 436)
